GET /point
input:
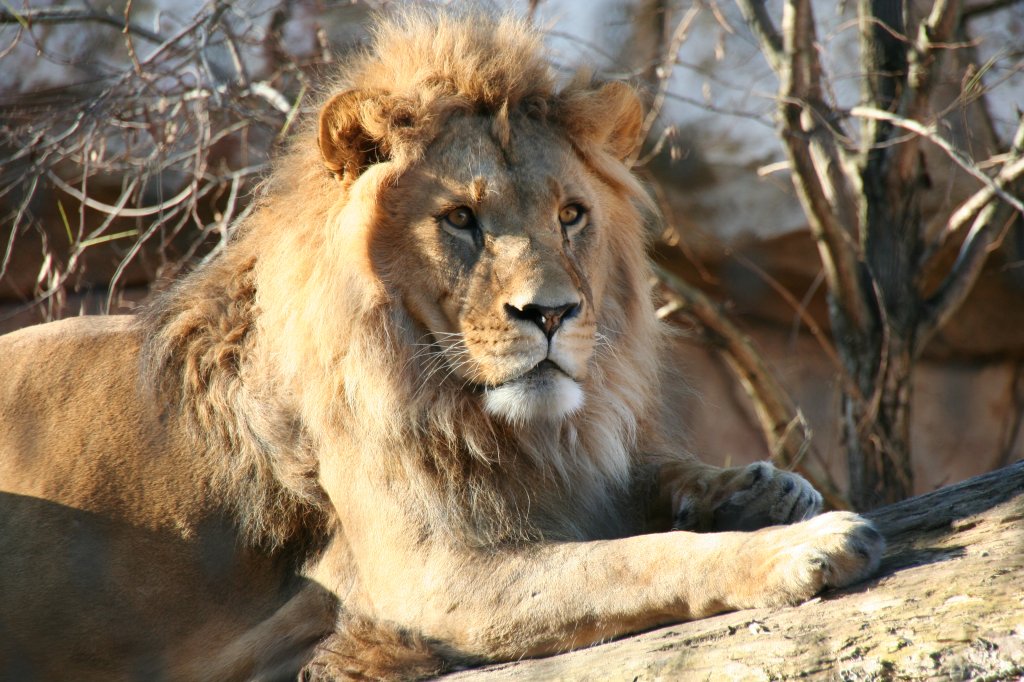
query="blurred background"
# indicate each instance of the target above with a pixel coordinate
(133, 133)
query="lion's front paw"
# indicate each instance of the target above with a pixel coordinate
(832, 550)
(766, 496)
(749, 498)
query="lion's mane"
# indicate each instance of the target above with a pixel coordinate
(288, 348)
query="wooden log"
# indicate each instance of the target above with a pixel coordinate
(947, 604)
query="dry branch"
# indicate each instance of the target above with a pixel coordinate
(163, 148)
(964, 215)
(73, 15)
(933, 34)
(984, 233)
(799, 95)
(760, 22)
(664, 70)
(929, 133)
(1011, 171)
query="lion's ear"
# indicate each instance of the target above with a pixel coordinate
(346, 141)
(610, 116)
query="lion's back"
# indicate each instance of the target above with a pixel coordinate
(116, 561)
(80, 427)
(63, 386)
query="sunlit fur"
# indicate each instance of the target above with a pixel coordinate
(353, 449)
(291, 333)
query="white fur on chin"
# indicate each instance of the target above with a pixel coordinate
(531, 398)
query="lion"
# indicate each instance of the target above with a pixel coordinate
(415, 415)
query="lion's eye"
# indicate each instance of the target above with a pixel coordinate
(571, 215)
(460, 218)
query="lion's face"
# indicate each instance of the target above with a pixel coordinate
(491, 227)
(502, 262)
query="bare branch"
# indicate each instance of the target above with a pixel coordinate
(16, 225)
(763, 28)
(120, 210)
(664, 72)
(799, 85)
(884, 49)
(985, 231)
(969, 264)
(782, 423)
(165, 119)
(929, 133)
(132, 55)
(883, 55)
(934, 33)
(967, 211)
(819, 334)
(271, 95)
(73, 15)
(938, 30)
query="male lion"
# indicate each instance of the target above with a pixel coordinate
(411, 417)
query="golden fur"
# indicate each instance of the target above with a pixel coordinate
(413, 435)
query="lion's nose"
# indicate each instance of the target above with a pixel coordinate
(548, 318)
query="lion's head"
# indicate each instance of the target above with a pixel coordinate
(449, 264)
(497, 241)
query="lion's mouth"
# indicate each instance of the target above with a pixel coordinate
(543, 369)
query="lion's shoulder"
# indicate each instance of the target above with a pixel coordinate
(60, 354)
(84, 328)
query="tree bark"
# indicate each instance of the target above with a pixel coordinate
(947, 604)
(876, 421)
(880, 358)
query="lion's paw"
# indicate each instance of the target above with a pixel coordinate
(832, 550)
(767, 496)
(750, 498)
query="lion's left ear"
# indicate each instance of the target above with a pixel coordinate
(610, 116)
(350, 135)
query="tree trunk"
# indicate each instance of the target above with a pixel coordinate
(879, 357)
(947, 604)
(876, 423)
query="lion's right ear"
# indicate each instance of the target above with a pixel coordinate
(609, 115)
(347, 146)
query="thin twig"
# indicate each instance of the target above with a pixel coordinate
(1012, 169)
(9, 250)
(128, 40)
(801, 311)
(961, 279)
(763, 28)
(929, 133)
(665, 72)
(933, 35)
(120, 211)
(967, 211)
(73, 15)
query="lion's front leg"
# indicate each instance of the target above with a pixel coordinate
(440, 603)
(699, 497)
